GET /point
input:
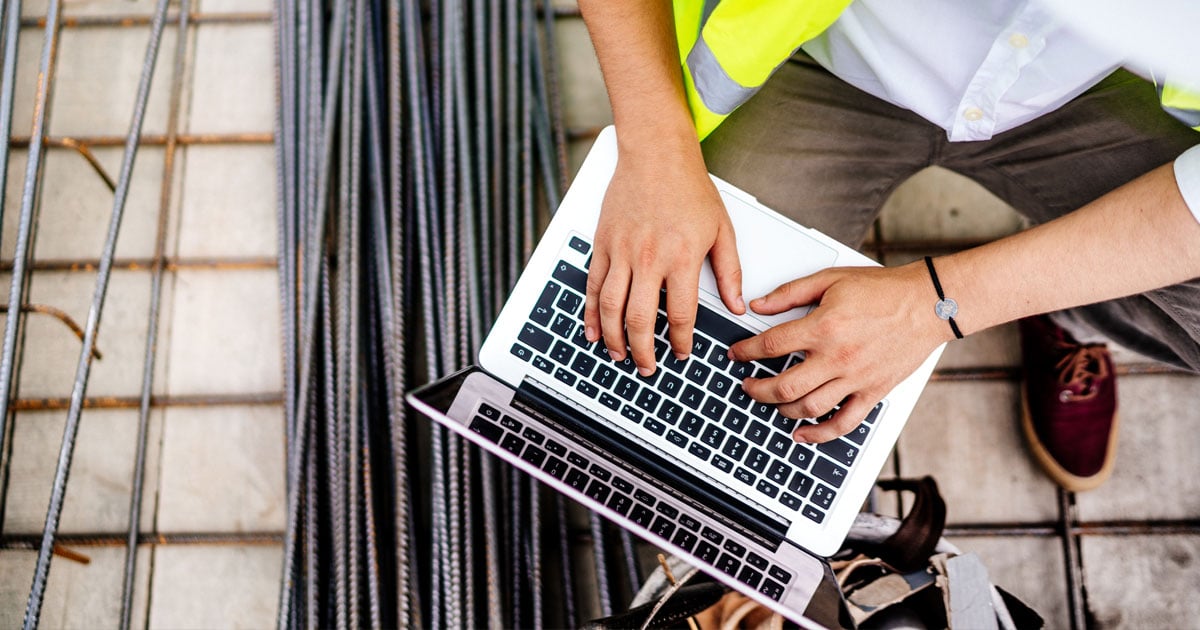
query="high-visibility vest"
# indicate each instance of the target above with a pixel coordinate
(729, 48)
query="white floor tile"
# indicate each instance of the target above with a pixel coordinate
(229, 200)
(1142, 581)
(233, 87)
(199, 586)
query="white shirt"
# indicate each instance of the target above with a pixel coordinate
(975, 69)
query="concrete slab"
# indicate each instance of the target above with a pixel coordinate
(1142, 581)
(1029, 567)
(97, 498)
(235, 6)
(1155, 474)
(233, 88)
(37, 8)
(202, 586)
(225, 333)
(939, 204)
(966, 435)
(229, 202)
(77, 595)
(223, 470)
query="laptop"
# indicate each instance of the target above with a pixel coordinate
(683, 458)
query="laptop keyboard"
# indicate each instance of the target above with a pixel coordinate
(695, 406)
(667, 520)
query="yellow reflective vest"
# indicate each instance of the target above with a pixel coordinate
(728, 49)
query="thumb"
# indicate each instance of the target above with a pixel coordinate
(799, 292)
(727, 267)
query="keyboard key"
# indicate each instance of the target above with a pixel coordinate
(583, 365)
(801, 484)
(626, 388)
(610, 401)
(790, 501)
(655, 427)
(859, 434)
(874, 414)
(565, 376)
(555, 467)
(813, 514)
(713, 408)
(758, 433)
(685, 539)
(571, 276)
(512, 444)
(677, 438)
(757, 460)
(763, 411)
(578, 460)
(631, 414)
(767, 488)
(587, 389)
(721, 463)
(720, 385)
(728, 564)
(700, 346)
(663, 527)
(511, 424)
(829, 472)
(699, 451)
(707, 552)
(823, 497)
(579, 245)
(779, 574)
(780, 444)
(713, 435)
(735, 420)
(533, 435)
(521, 352)
(689, 522)
(576, 479)
(720, 328)
(675, 365)
(739, 398)
(691, 424)
(667, 510)
(562, 353)
(542, 364)
(641, 515)
(626, 365)
(598, 491)
(840, 451)
(735, 448)
(542, 311)
(569, 303)
(670, 412)
(744, 476)
(670, 385)
(580, 337)
(719, 357)
(750, 576)
(489, 412)
(740, 370)
(605, 375)
(556, 448)
(649, 400)
(660, 323)
(648, 381)
(783, 423)
(661, 348)
(563, 326)
(735, 548)
(712, 535)
(600, 473)
(775, 364)
(645, 497)
(488, 430)
(620, 504)
(771, 589)
(801, 456)
(698, 372)
(779, 472)
(622, 485)
(692, 397)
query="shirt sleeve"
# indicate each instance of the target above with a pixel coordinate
(1187, 176)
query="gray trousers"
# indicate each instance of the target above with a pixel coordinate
(828, 155)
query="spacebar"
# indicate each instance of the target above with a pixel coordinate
(720, 328)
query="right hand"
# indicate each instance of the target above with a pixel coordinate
(660, 217)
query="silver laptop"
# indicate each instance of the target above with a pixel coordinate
(683, 458)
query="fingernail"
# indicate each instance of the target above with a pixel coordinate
(681, 356)
(590, 333)
(757, 302)
(645, 371)
(740, 302)
(800, 439)
(612, 354)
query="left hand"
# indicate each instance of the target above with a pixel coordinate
(871, 328)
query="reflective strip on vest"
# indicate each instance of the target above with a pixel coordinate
(728, 48)
(1181, 104)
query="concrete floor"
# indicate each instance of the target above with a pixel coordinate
(219, 469)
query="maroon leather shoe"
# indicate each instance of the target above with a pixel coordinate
(1069, 405)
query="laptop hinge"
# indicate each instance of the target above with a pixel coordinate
(701, 495)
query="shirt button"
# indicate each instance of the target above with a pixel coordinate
(973, 114)
(1018, 40)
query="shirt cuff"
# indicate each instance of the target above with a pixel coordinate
(1187, 176)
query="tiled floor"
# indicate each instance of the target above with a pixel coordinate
(214, 478)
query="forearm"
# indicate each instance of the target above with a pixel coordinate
(1139, 237)
(635, 44)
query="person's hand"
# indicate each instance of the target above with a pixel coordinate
(661, 216)
(871, 328)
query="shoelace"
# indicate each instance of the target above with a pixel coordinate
(1079, 369)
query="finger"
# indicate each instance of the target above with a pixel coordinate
(776, 341)
(790, 386)
(852, 413)
(727, 267)
(640, 314)
(798, 292)
(683, 288)
(591, 304)
(818, 402)
(612, 310)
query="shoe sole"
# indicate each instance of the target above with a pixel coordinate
(1060, 475)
